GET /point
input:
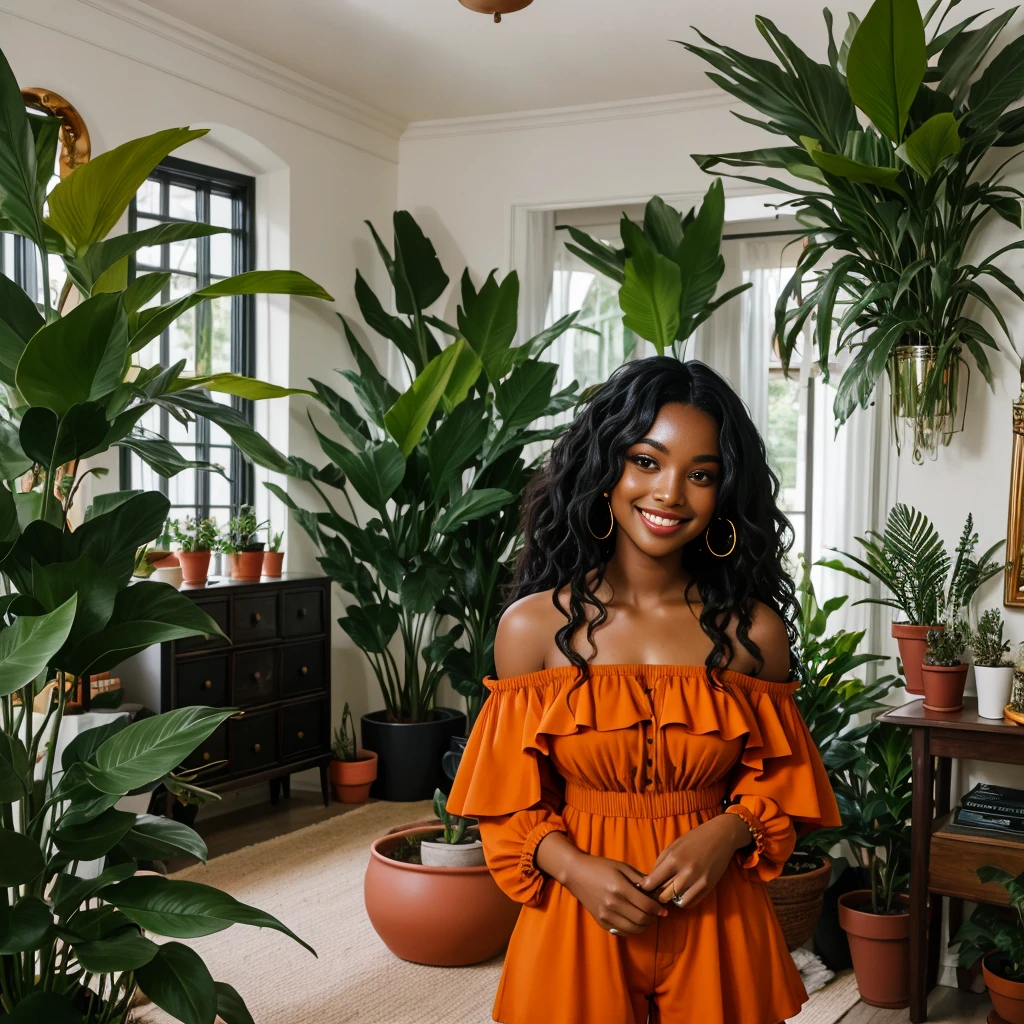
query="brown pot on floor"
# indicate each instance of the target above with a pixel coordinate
(247, 565)
(195, 566)
(352, 779)
(1007, 996)
(797, 902)
(944, 686)
(880, 948)
(445, 917)
(272, 563)
(913, 646)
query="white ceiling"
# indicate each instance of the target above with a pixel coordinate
(427, 59)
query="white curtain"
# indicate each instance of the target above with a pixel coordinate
(535, 263)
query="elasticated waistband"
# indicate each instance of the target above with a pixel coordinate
(613, 804)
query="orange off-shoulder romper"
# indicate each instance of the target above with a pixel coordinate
(635, 757)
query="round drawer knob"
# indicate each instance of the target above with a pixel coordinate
(256, 748)
(301, 735)
(303, 671)
(256, 618)
(302, 613)
(208, 684)
(206, 755)
(257, 675)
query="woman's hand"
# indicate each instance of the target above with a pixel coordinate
(607, 888)
(691, 866)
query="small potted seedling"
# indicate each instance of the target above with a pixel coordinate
(353, 769)
(458, 846)
(273, 557)
(196, 539)
(999, 944)
(944, 672)
(993, 670)
(240, 541)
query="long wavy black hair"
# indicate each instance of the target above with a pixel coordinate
(560, 553)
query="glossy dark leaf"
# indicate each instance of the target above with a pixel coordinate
(26, 926)
(231, 1007)
(20, 858)
(93, 839)
(419, 277)
(125, 950)
(45, 1006)
(178, 981)
(19, 320)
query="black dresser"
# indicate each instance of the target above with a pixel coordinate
(276, 670)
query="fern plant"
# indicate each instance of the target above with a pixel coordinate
(909, 559)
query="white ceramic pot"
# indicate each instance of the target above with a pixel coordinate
(444, 855)
(172, 575)
(994, 684)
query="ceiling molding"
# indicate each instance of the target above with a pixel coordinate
(238, 59)
(558, 117)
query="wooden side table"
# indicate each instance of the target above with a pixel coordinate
(942, 862)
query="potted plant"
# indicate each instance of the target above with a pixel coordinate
(239, 540)
(196, 539)
(433, 465)
(273, 557)
(830, 698)
(999, 944)
(910, 560)
(993, 670)
(892, 186)
(352, 769)
(159, 554)
(75, 947)
(944, 670)
(873, 786)
(416, 877)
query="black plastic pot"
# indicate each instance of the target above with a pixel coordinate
(409, 753)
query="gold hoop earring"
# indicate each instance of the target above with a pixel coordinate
(611, 524)
(707, 541)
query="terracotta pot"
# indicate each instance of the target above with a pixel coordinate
(944, 686)
(913, 646)
(880, 947)
(162, 559)
(994, 684)
(444, 917)
(272, 563)
(1007, 996)
(247, 565)
(352, 779)
(195, 565)
(797, 902)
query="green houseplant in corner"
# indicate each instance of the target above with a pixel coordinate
(891, 204)
(76, 949)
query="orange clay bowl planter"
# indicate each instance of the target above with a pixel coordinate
(352, 779)
(247, 565)
(944, 686)
(1007, 996)
(913, 646)
(195, 565)
(444, 917)
(273, 561)
(797, 900)
(880, 948)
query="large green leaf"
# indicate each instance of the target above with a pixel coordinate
(148, 749)
(489, 323)
(87, 204)
(178, 981)
(886, 64)
(94, 589)
(13, 768)
(19, 320)
(21, 197)
(472, 505)
(163, 457)
(418, 277)
(420, 590)
(465, 373)
(525, 395)
(231, 1007)
(184, 910)
(77, 358)
(699, 257)
(26, 926)
(123, 951)
(408, 417)
(52, 440)
(44, 1006)
(157, 838)
(650, 297)
(1000, 84)
(95, 838)
(927, 146)
(20, 858)
(85, 744)
(27, 647)
(458, 438)
(239, 385)
(375, 473)
(70, 892)
(844, 167)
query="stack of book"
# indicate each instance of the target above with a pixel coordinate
(991, 809)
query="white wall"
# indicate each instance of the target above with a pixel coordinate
(322, 165)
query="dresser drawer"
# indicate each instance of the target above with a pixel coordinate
(302, 669)
(302, 612)
(255, 619)
(254, 742)
(218, 611)
(304, 729)
(213, 749)
(255, 677)
(201, 681)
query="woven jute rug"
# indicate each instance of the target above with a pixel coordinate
(312, 880)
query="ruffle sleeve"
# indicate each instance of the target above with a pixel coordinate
(506, 781)
(779, 787)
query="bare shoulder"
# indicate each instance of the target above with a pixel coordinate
(526, 633)
(768, 633)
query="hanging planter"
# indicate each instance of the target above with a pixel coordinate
(496, 7)
(924, 398)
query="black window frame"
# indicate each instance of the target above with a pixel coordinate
(241, 189)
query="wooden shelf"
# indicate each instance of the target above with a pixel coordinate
(956, 856)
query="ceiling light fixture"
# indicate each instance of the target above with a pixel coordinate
(496, 7)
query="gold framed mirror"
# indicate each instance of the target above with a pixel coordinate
(75, 147)
(1013, 586)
